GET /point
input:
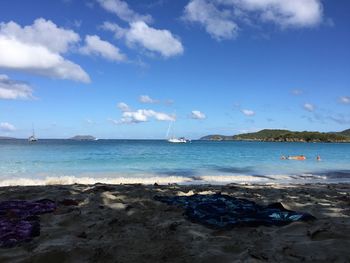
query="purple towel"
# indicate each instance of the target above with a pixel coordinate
(19, 220)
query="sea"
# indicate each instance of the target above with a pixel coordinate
(158, 161)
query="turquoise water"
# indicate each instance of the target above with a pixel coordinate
(150, 161)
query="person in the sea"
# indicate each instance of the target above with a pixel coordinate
(297, 157)
(283, 157)
(318, 158)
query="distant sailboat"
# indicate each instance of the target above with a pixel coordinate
(174, 139)
(32, 138)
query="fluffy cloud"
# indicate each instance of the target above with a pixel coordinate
(119, 32)
(95, 46)
(12, 89)
(42, 33)
(123, 106)
(38, 49)
(309, 107)
(147, 99)
(196, 114)
(139, 34)
(143, 115)
(123, 11)
(7, 127)
(248, 113)
(217, 23)
(220, 17)
(287, 13)
(344, 100)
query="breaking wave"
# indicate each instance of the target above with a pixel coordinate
(163, 180)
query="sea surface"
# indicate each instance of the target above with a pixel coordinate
(150, 161)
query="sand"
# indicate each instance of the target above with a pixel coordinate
(122, 223)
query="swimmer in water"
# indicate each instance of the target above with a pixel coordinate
(318, 158)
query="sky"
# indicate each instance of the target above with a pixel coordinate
(125, 69)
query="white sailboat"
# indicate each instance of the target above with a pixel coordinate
(32, 138)
(174, 139)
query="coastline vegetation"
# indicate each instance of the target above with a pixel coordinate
(275, 135)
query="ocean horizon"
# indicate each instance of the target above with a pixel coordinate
(62, 161)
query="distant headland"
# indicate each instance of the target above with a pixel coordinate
(83, 138)
(7, 138)
(272, 135)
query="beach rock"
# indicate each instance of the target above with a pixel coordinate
(69, 202)
(82, 235)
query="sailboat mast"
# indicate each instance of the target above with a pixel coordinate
(168, 131)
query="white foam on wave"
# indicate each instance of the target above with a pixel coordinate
(68, 180)
(232, 178)
(162, 180)
(243, 179)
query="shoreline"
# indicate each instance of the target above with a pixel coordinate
(123, 223)
(330, 177)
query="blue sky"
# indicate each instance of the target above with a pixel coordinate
(124, 69)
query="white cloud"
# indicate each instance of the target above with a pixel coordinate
(7, 127)
(217, 23)
(119, 32)
(42, 33)
(139, 34)
(123, 106)
(248, 113)
(344, 100)
(38, 49)
(147, 99)
(135, 116)
(95, 46)
(287, 13)
(160, 41)
(143, 115)
(309, 107)
(221, 17)
(196, 114)
(123, 11)
(12, 89)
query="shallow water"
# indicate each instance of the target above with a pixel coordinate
(114, 161)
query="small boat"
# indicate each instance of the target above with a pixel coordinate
(178, 140)
(175, 139)
(32, 138)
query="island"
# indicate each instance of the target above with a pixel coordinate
(7, 138)
(83, 138)
(276, 135)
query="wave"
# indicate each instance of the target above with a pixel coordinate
(68, 180)
(163, 180)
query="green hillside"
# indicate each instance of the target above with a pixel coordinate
(345, 133)
(271, 135)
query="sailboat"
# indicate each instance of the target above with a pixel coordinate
(174, 139)
(32, 138)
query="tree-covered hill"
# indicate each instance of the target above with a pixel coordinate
(272, 135)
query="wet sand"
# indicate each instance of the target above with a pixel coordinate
(123, 223)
